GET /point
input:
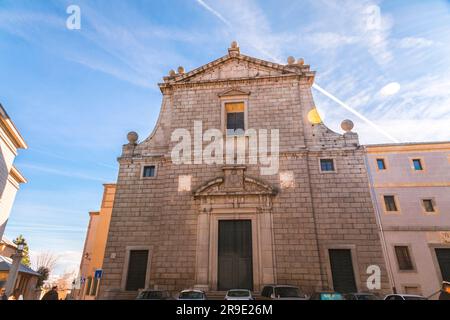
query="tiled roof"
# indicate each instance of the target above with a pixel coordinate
(5, 265)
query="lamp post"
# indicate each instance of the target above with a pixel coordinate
(14, 270)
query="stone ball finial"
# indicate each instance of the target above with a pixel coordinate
(290, 60)
(347, 125)
(132, 137)
(234, 45)
(172, 73)
(180, 70)
(300, 61)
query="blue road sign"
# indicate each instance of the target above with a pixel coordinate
(98, 273)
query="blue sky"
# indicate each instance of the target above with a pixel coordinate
(74, 94)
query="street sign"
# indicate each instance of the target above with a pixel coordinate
(98, 273)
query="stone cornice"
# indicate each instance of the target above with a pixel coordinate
(10, 131)
(236, 81)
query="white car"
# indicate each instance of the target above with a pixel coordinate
(392, 297)
(239, 294)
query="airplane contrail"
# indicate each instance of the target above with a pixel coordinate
(356, 113)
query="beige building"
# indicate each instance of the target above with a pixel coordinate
(94, 246)
(411, 185)
(214, 225)
(10, 177)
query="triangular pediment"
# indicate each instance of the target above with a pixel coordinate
(233, 67)
(234, 92)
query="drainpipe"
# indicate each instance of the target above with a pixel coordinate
(379, 222)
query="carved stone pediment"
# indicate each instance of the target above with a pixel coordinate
(233, 92)
(234, 182)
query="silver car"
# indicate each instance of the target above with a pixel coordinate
(192, 295)
(239, 294)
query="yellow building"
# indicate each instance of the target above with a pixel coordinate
(94, 246)
(10, 177)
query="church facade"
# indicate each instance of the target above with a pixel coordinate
(298, 213)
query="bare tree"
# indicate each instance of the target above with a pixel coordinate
(46, 260)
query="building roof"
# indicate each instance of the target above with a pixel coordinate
(11, 130)
(5, 265)
(408, 146)
(8, 242)
(292, 68)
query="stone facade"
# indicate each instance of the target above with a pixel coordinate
(424, 234)
(297, 214)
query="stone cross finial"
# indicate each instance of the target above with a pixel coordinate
(234, 49)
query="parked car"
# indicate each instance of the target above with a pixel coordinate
(192, 295)
(361, 296)
(239, 294)
(404, 297)
(282, 292)
(154, 295)
(327, 295)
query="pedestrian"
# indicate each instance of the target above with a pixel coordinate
(16, 295)
(51, 295)
(3, 295)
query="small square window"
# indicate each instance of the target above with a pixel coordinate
(389, 202)
(403, 258)
(149, 171)
(428, 205)
(381, 164)
(417, 164)
(326, 165)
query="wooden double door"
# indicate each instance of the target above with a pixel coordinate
(235, 265)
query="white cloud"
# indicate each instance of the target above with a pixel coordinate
(415, 42)
(390, 89)
(327, 40)
(65, 173)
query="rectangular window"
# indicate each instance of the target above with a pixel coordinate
(137, 270)
(417, 164)
(326, 165)
(149, 171)
(381, 164)
(428, 205)
(389, 202)
(403, 258)
(235, 113)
